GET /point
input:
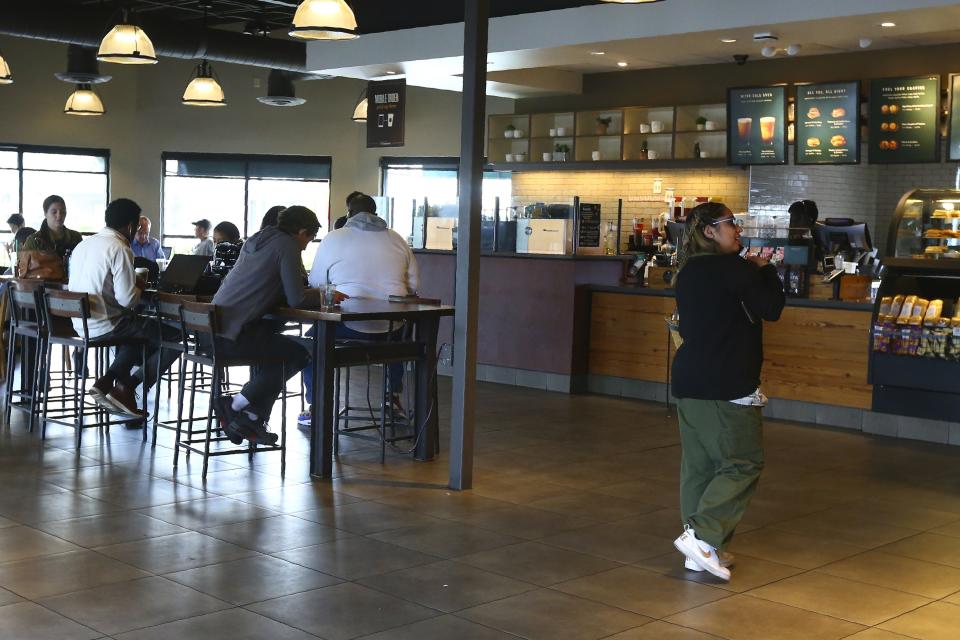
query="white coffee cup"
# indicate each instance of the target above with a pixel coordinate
(561, 131)
(553, 133)
(517, 133)
(509, 157)
(711, 125)
(644, 128)
(652, 155)
(656, 126)
(595, 155)
(142, 272)
(547, 156)
(704, 154)
(519, 157)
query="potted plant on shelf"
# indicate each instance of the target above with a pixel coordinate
(603, 124)
(508, 132)
(701, 123)
(560, 152)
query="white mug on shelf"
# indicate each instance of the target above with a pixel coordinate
(711, 125)
(652, 155)
(517, 133)
(509, 157)
(656, 126)
(704, 154)
(553, 133)
(595, 155)
(519, 157)
(644, 128)
(561, 131)
(547, 156)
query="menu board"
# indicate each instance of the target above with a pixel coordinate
(386, 110)
(828, 126)
(905, 120)
(756, 126)
(588, 233)
(953, 151)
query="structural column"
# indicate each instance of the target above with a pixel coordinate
(472, 115)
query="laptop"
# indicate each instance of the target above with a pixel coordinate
(183, 274)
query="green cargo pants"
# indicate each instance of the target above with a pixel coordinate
(722, 460)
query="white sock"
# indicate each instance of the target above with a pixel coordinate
(239, 402)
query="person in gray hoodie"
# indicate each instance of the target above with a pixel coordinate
(270, 257)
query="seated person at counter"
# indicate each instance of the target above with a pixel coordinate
(227, 245)
(103, 268)
(270, 217)
(53, 235)
(269, 258)
(365, 259)
(342, 220)
(201, 230)
(20, 231)
(145, 246)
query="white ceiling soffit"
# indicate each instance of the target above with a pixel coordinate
(546, 53)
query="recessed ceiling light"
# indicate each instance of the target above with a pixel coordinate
(728, 40)
(391, 73)
(888, 25)
(622, 64)
(598, 53)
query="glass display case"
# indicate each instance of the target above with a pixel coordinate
(926, 225)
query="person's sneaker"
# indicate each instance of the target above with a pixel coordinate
(304, 419)
(99, 392)
(700, 553)
(124, 400)
(726, 561)
(223, 408)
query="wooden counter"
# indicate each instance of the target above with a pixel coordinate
(814, 353)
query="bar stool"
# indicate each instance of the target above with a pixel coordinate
(168, 311)
(199, 331)
(60, 307)
(25, 302)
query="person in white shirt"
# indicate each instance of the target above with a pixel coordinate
(365, 259)
(102, 267)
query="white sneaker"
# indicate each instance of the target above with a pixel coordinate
(726, 561)
(700, 553)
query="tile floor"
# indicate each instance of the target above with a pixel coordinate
(566, 536)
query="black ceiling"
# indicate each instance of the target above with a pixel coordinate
(373, 16)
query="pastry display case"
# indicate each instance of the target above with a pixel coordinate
(926, 225)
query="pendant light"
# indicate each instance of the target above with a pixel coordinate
(127, 43)
(280, 91)
(360, 111)
(204, 90)
(324, 20)
(84, 102)
(5, 76)
(631, 1)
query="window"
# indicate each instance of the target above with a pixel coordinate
(28, 174)
(238, 189)
(410, 181)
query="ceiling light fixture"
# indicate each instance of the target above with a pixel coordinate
(204, 89)
(888, 25)
(622, 64)
(324, 20)
(793, 49)
(865, 43)
(598, 53)
(84, 102)
(82, 67)
(631, 1)
(728, 40)
(280, 91)
(127, 43)
(391, 73)
(768, 52)
(360, 111)
(5, 76)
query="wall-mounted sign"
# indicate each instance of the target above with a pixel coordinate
(386, 108)
(757, 125)
(588, 231)
(905, 120)
(953, 151)
(828, 123)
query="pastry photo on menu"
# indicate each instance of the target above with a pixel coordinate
(813, 142)
(839, 112)
(813, 113)
(838, 141)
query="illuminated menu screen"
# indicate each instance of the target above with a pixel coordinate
(828, 129)
(756, 126)
(904, 120)
(954, 149)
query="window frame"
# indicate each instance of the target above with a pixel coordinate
(20, 149)
(246, 159)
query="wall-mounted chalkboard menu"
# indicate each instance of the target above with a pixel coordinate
(905, 120)
(828, 123)
(953, 151)
(588, 232)
(757, 125)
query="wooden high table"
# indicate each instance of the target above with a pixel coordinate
(327, 358)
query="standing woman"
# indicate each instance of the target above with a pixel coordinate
(722, 300)
(53, 235)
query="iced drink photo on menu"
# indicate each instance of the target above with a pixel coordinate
(768, 125)
(744, 129)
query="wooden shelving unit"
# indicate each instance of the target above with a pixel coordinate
(618, 144)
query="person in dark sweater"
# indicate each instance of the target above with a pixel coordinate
(722, 300)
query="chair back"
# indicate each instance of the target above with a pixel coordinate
(200, 320)
(168, 305)
(66, 304)
(26, 301)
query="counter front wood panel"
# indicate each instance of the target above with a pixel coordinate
(814, 355)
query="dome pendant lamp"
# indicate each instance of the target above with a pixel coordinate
(5, 76)
(84, 102)
(204, 89)
(360, 111)
(126, 43)
(631, 1)
(324, 20)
